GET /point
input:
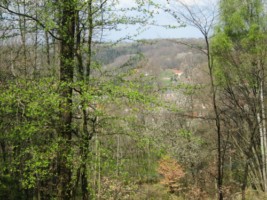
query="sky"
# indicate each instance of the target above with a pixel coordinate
(154, 32)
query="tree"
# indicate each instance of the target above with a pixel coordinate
(202, 17)
(76, 95)
(239, 52)
(172, 173)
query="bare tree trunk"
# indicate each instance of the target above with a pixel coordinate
(35, 44)
(217, 123)
(90, 38)
(263, 132)
(244, 184)
(84, 74)
(197, 18)
(262, 128)
(263, 150)
(22, 29)
(47, 47)
(118, 155)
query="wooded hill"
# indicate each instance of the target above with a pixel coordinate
(153, 119)
(157, 55)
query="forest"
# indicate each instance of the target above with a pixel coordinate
(84, 116)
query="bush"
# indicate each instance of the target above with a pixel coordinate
(172, 172)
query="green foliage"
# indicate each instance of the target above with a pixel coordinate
(238, 43)
(239, 49)
(91, 135)
(9, 188)
(34, 133)
(29, 111)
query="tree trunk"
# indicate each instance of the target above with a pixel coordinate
(244, 184)
(67, 35)
(263, 131)
(217, 123)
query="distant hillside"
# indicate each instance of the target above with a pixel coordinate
(155, 57)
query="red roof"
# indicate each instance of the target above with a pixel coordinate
(177, 72)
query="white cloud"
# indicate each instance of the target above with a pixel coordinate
(126, 3)
(131, 3)
(194, 2)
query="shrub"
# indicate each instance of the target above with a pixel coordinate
(172, 173)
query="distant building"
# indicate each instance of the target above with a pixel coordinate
(177, 72)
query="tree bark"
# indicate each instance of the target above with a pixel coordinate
(67, 47)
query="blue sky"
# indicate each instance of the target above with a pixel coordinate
(153, 32)
(156, 32)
